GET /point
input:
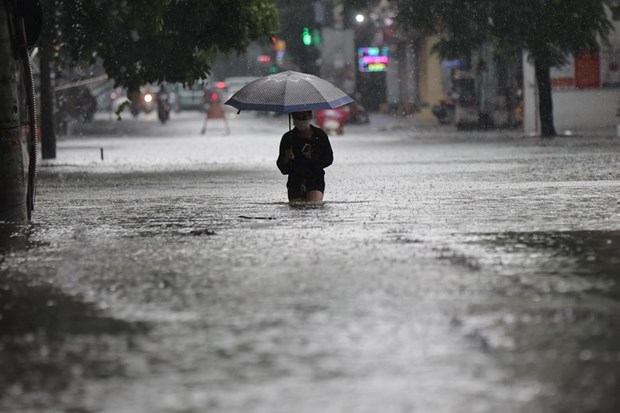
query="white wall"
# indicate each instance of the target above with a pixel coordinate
(573, 109)
(593, 109)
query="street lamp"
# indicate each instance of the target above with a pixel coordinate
(359, 18)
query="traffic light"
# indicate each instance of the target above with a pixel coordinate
(306, 37)
(309, 38)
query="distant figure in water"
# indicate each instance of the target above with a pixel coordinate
(304, 153)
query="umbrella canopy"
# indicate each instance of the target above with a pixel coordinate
(288, 92)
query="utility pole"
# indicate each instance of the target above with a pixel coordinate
(13, 166)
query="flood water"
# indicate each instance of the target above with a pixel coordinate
(445, 272)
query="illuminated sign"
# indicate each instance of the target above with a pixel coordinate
(372, 59)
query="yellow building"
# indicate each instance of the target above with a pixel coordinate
(430, 88)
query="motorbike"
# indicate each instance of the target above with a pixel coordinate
(163, 107)
(332, 120)
(143, 102)
(445, 111)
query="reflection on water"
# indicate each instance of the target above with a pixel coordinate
(13, 237)
(592, 255)
(559, 318)
(586, 246)
(50, 342)
(32, 308)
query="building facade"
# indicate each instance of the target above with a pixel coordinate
(585, 91)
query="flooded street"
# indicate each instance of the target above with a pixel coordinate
(445, 272)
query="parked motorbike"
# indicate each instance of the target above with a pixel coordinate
(445, 111)
(163, 107)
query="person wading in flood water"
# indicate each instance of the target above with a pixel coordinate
(305, 152)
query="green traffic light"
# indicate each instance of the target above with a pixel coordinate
(306, 37)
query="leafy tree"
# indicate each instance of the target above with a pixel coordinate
(149, 41)
(142, 41)
(548, 30)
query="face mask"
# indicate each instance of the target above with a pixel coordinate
(301, 124)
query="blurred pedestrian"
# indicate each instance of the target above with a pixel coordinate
(305, 152)
(213, 110)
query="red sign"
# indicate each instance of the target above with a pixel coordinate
(587, 71)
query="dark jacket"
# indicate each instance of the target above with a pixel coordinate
(301, 167)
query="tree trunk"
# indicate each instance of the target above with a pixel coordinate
(13, 166)
(545, 100)
(48, 120)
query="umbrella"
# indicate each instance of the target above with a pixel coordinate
(288, 92)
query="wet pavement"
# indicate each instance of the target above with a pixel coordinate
(445, 272)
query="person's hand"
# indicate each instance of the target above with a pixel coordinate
(288, 155)
(307, 151)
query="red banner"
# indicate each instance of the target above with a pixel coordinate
(587, 71)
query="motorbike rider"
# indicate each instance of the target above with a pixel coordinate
(163, 103)
(162, 93)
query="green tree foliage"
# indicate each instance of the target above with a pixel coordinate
(143, 41)
(548, 30)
